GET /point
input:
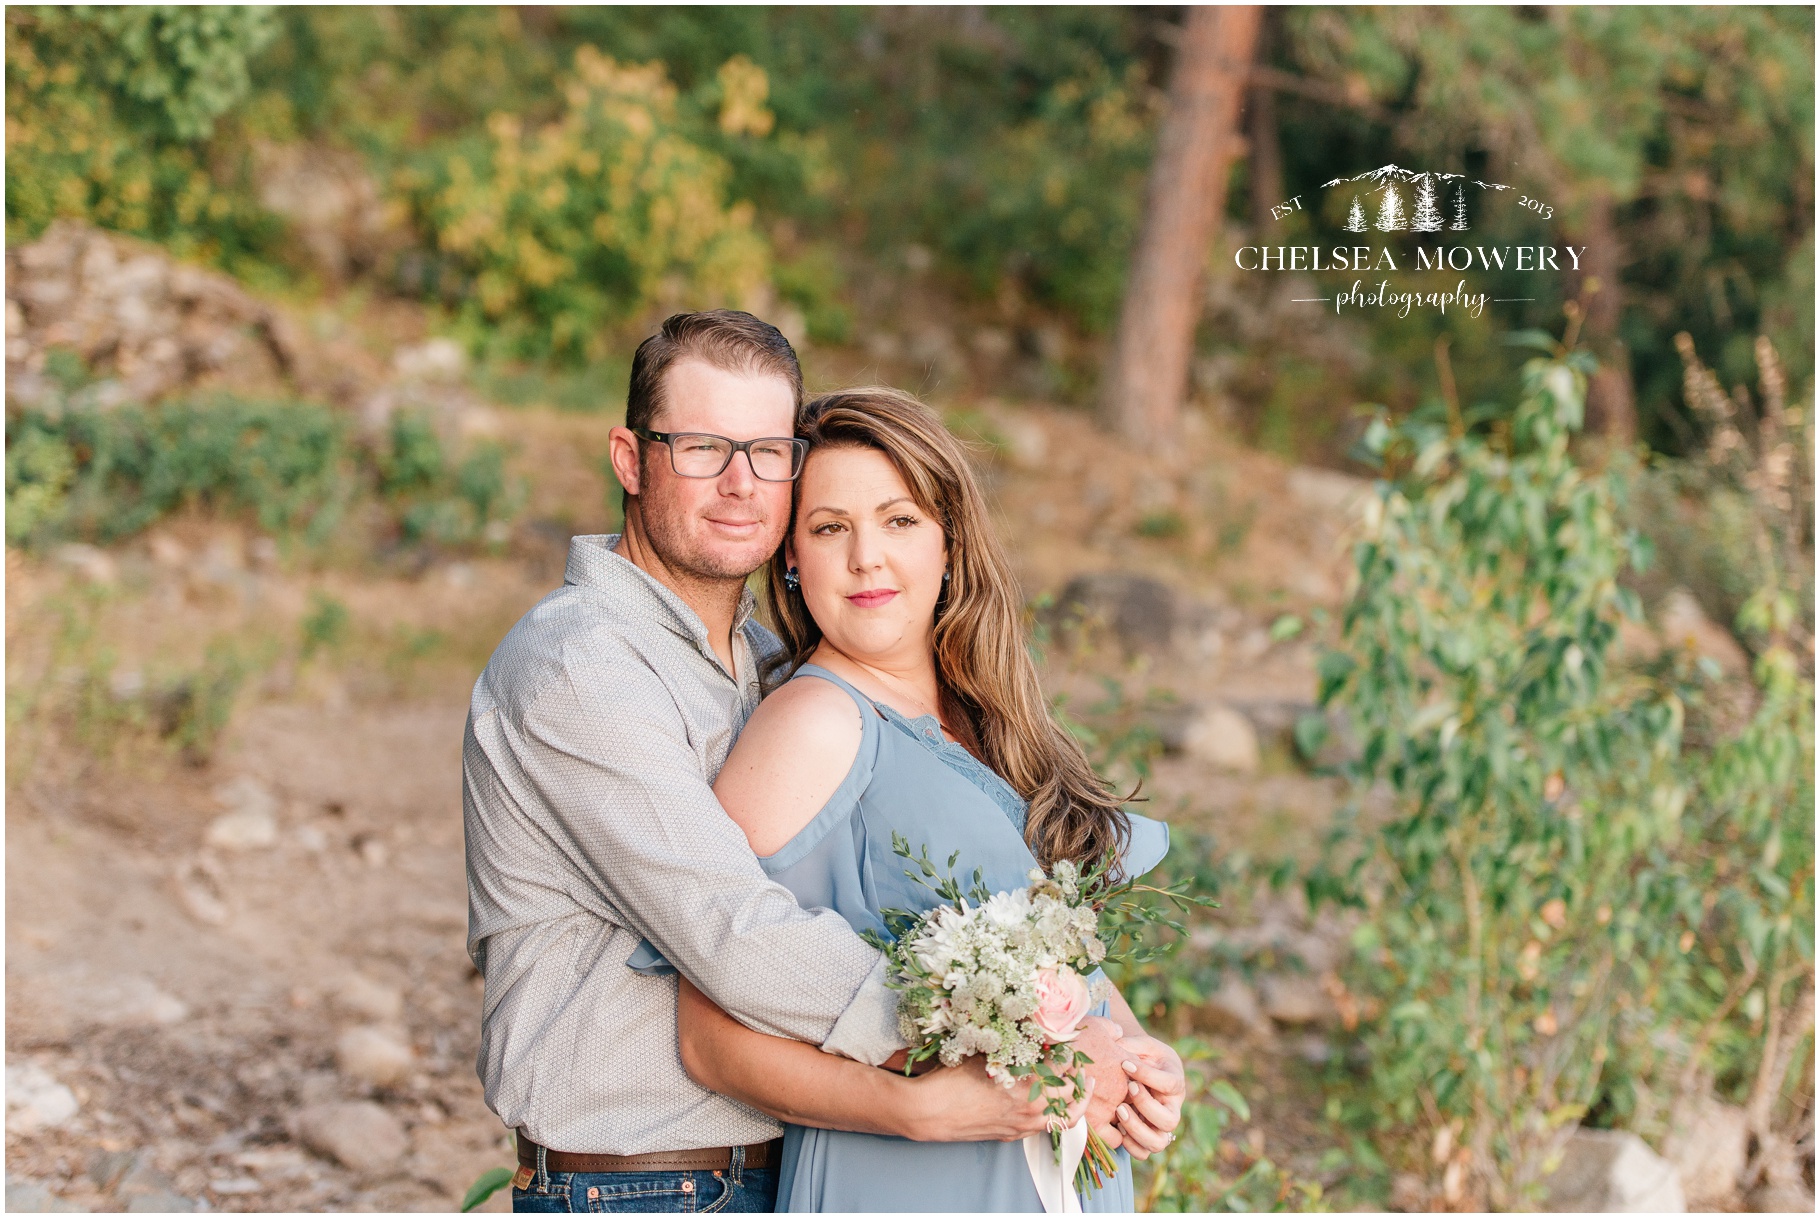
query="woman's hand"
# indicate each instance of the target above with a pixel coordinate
(1153, 1097)
(964, 1104)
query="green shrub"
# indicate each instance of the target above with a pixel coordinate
(106, 474)
(112, 115)
(290, 467)
(439, 501)
(325, 625)
(1557, 844)
(568, 228)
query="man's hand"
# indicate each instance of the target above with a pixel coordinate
(1104, 1041)
(964, 1104)
(1152, 1096)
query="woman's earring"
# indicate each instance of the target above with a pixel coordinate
(945, 576)
(794, 584)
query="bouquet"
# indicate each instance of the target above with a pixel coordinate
(1006, 975)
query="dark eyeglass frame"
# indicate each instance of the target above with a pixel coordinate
(666, 438)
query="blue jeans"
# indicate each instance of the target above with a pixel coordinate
(738, 1190)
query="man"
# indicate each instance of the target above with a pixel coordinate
(598, 857)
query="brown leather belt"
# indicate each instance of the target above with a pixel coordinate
(712, 1158)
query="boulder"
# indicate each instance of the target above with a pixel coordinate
(1781, 1197)
(90, 562)
(146, 1190)
(35, 1100)
(27, 1196)
(1223, 738)
(374, 1055)
(1295, 999)
(1709, 1147)
(1685, 624)
(1234, 1008)
(1605, 1171)
(147, 325)
(1140, 613)
(1327, 491)
(363, 1137)
(370, 998)
(336, 211)
(251, 822)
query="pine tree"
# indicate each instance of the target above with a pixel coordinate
(1355, 219)
(1459, 209)
(1428, 215)
(1390, 211)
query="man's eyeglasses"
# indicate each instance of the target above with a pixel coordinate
(695, 454)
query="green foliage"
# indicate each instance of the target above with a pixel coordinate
(439, 500)
(490, 1182)
(1691, 129)
(186, 710)
(1555, 848)
(325, 625)
(1203, 1171)
(112, 115)
(107, 474)
(565, 229)
(80, 472)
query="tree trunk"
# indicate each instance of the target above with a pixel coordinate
(1611, 409)
(1264, 149)
(1148, 373)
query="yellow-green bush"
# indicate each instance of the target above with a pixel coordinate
(111, 117)
(564, 229)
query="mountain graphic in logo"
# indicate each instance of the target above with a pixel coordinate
(1432, 191)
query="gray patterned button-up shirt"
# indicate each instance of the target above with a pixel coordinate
(593, 737)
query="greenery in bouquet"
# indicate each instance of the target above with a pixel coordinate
(1007, 974)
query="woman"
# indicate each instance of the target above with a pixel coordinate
(914, 709)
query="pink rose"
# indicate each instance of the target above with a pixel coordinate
(1061, 1003)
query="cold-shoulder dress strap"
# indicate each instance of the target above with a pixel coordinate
(840, 805)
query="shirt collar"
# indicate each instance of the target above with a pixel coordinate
(593, 564)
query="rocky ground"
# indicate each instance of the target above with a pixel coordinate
(236, 977)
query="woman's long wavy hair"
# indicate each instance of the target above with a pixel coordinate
(980, 657)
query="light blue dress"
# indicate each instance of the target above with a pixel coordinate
(909, 779)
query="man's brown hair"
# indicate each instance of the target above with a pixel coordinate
(726, 338)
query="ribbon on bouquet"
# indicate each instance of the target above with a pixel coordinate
(1053, 1168)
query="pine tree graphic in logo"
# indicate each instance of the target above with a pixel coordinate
(1428, 215)
(1355, 219)
(1390, 212)
(1430, 186)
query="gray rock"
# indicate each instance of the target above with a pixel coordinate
(1234, 1007)
(1612, 1172)
(1223, 738)
(362, 1137)
(1140, 613)
(1685, 625)
(146, 1190)
(35, 1100)
(1781, 1197)
(1709, 1148)
(439, 359)
(28, 1196)
(370, 998)
(1327, 491)
(108, 1167)
(91, 563)
(374, 1055)
(1295, 999)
